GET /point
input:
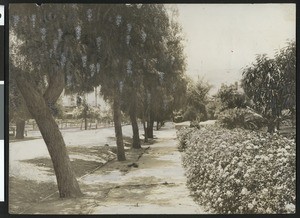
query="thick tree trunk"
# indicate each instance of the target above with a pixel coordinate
(118, 127)
(20, 129)
(56, 83)
(66, 180)
(38, 107)
(135, 130)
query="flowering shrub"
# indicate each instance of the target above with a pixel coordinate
(183, 136)
(240, 171)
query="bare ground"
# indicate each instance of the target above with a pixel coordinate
(24, 192)
(150, 181)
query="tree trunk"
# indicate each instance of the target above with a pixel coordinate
(38, 107)
(85, 118)
(278, 125)
(158, 125)
(85, 123)
(271, 127)
(145, 131)
(20, 129)
(133, 118)
(56, 85)
(150, 127)
(135, 129)
(118, 127)
(66, 180)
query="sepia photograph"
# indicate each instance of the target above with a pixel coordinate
(152, 108)
(2, 103)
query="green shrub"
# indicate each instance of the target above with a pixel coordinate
(240, 171)
(240, 118)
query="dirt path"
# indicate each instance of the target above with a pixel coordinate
(156, 186)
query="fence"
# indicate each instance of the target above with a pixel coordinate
(63, 124)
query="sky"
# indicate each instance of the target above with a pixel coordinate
(222, 39)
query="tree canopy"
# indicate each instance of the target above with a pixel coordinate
(133, 51)
(271, 84)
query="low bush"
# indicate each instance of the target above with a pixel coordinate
(240, 118)
(240, 171)
(195, 124)
(183, 136)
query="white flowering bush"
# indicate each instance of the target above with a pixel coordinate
(240, 171)
(183, 136)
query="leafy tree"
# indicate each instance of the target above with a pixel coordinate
(194, 104)
(212, 106)
(85, 111)
(230, 97)
(271, 85)
(155, 31)
(130, 64)
(79, 47)
(286, 62)
(163, 80)
(112, 76)
(150, 71)
(173, 81)
(135, 37)
(197, 98)
(230, 106)
(41, 64)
